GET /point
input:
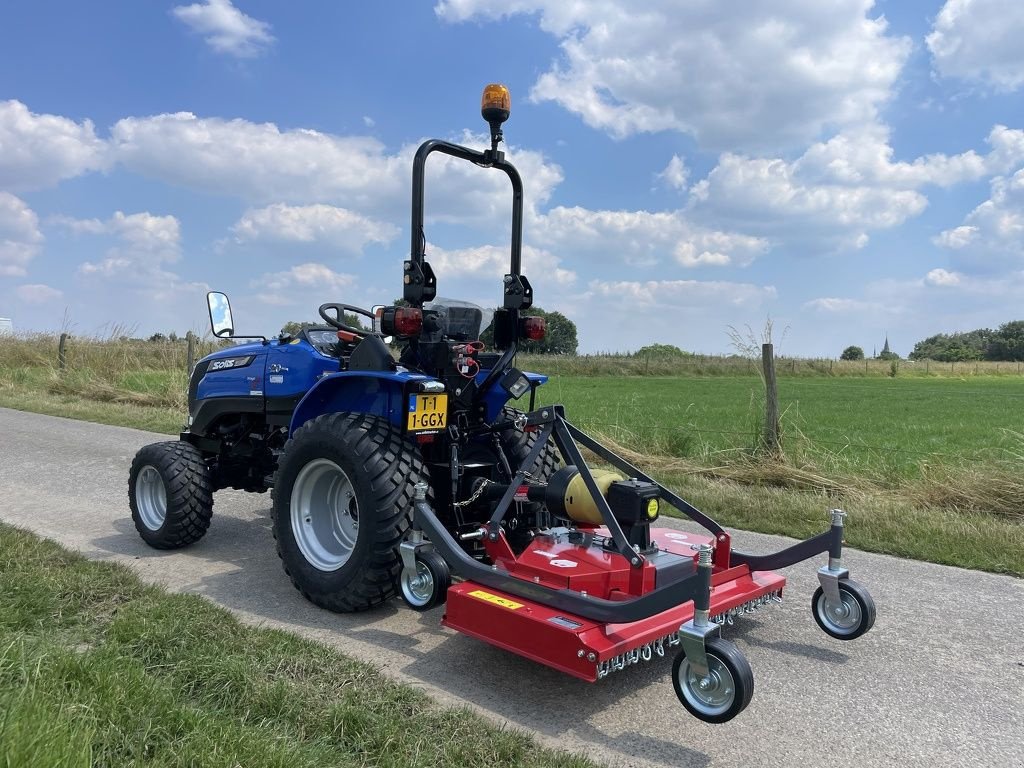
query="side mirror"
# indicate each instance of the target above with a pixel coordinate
(220, 314)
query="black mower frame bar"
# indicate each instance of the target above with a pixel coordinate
(694, 584)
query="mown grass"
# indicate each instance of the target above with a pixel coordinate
(98, 669)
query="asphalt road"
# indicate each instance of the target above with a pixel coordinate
(939, 681)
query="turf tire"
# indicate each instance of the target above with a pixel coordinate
(517, 446)
(383, 470)
(189, 494)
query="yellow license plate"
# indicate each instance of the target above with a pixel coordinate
(427, 413)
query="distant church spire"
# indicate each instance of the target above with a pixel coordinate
(885, 349)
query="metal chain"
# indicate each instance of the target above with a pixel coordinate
(480, 489)
(476, 495)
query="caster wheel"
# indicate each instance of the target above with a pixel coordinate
(427, 586)
(727, 689)
(854, 616)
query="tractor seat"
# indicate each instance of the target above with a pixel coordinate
(371, 354)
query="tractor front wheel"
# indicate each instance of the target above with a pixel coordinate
(170, 493)
(343, 500)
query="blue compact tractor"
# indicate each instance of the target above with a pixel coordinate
(396, 462)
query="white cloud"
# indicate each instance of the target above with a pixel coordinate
(264, 164)
(979, 40)
(144, 241)
(679, 293)
(325, 224)
(844, 306)
(839, 190)
(492, 261)
(640, 238)
(284, 288)
(20, 237)
(675, 173)
(776, 76)
(38, 151)
(996, 227)
(943, 277)
(37, 293)
(225, 28)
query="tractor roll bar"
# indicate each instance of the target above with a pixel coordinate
(420, 285)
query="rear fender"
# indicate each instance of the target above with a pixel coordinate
(497, 397)
(372, 392)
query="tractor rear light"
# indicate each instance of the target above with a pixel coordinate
(533, 328)
(401, 321)
(347, 336)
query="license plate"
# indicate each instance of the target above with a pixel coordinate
(427, 413)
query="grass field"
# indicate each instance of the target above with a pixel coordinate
(97, 669)
(927, 463)
(882, 427)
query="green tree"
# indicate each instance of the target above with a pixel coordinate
(661, 350)
(1007, 343)
(954, 347)
(852, 353)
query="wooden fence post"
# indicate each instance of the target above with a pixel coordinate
(190, 338)
(62, 358)
(771, 400)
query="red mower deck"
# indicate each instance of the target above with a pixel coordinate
(578, 646)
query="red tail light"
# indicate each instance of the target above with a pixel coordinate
(534, 328)
(402, 321)
(408, 321)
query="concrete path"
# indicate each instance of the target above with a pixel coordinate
(939, 681)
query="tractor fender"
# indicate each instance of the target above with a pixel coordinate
(378, 393)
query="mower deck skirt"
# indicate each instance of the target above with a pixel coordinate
(576, 645)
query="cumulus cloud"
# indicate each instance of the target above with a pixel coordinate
(979, 40)
(783, 74)
(225, 28)
(641, 238)
(675, 174)
(842, 189)
(492, 261)
(943, 277)
(143, 242)
(994, 228)
(20, 238)
(324, 224)
(38, 151)
(283, 288)
(832, 304)
(261, 163)
(680, 293)
(37, 293)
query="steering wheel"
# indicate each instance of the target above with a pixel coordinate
(339, 313)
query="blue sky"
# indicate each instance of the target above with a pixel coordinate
(850, 169)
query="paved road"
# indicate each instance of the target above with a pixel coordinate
(939, 681)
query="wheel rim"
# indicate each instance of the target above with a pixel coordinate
(151, 497)
(843, 617)
(711, 695)
(418, 589)
(325, 515)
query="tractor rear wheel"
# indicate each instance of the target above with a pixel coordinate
(343, 499)
(518, 445)
(170, 493)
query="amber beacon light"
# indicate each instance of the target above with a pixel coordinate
(495, 107)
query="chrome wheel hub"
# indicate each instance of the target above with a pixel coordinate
(151, 497)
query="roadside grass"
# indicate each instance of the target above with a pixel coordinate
(97, 668)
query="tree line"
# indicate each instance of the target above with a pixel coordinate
(1003, 344)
